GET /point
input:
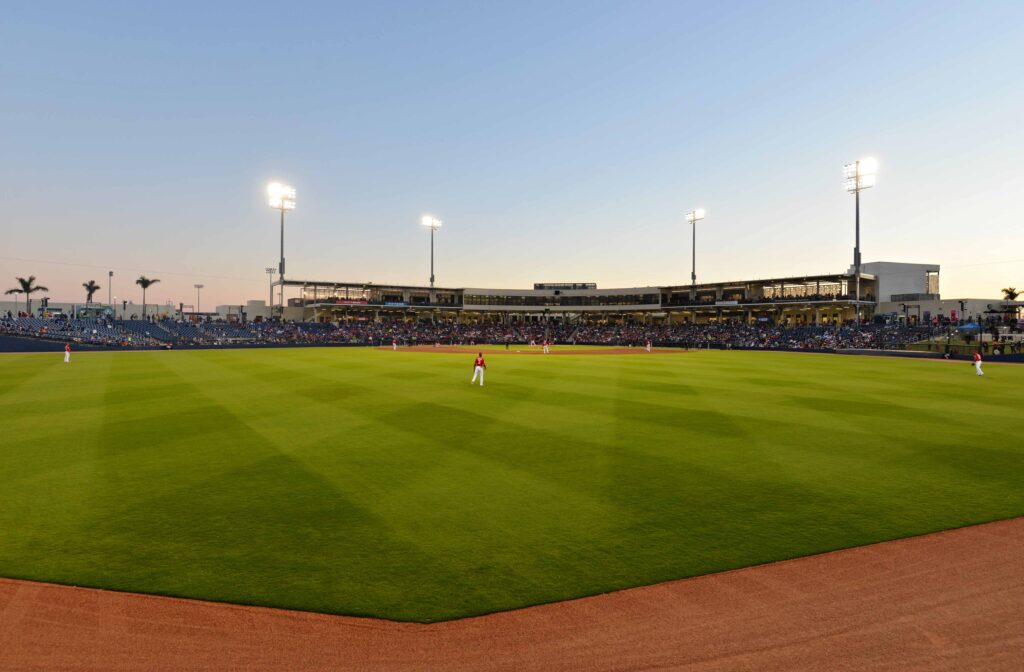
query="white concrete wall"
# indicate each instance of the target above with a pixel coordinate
(898, 278)
(251, 308)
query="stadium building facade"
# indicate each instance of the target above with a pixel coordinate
(809, 300)
(896, 292)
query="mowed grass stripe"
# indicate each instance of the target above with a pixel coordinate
(377, 483)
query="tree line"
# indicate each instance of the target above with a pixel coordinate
(28, 287)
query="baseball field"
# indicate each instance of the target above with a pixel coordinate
(378, 483)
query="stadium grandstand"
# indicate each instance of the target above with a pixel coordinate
(886, 288)
(899, 308)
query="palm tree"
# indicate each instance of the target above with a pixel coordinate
(28, 288)
(145, 282)
(90, 288)
(1010, 293)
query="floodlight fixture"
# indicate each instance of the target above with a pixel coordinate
(432, 223)
(281, 196)
(860, 174)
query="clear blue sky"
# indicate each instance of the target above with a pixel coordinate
(558, 141)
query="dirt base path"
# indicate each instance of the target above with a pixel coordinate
(947, 601)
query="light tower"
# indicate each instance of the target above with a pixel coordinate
(693, 217)
(432, 223)
(858, 175)
(270, 274)
(282, 197)
(199, 288)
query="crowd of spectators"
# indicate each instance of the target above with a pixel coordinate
(184, 333)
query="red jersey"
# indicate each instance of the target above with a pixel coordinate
(479, 362)
(977, 357)
(67, 347)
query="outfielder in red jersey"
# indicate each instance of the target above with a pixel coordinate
(547, 350)
(394, 344)
(977, 363)
(478, 368)
(67, 353)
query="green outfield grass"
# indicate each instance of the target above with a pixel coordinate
(375, 483)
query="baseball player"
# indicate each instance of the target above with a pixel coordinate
(547, 350)
(648, 346)
(478, 368)
(67, 355)
(394, 344)
(977, 363)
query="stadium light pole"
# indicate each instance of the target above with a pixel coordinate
(270, 274)
(693, 217)
(281, 197)
(110, 288)
(858, 175)
(432, 223)
(199, 288)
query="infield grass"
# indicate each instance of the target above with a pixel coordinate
(375, 483)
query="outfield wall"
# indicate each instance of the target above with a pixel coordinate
(15, 344)
(29, 344)
(25, 344)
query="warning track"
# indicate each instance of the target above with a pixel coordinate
(947, 601)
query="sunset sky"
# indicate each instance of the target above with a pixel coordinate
(558, 141)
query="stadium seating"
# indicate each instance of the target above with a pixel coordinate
(136, 333)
